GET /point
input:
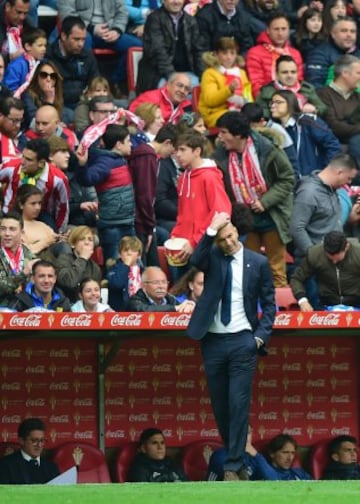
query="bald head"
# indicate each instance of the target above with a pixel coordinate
(46, 121)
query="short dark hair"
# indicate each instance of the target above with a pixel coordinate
(253, 111)
(335, 444)
(114, 133)
(192, 139)
(148, 433)
(335, 242)
(70, 22)
(166, 132)
(31, 35)
(23, 193)
(14, 215)
(28, 425)
(40, 146)
(279, 441)
(276, 15)
(85, 280)
(13, 2)
(235, 122)
(344, 161)
(99, 99)
(282, 58)
(42, 263)
(6, 104)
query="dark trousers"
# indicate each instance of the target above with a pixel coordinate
(230, 363)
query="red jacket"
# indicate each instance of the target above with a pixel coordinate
(260, 62)
(201, 193)
(170, 112)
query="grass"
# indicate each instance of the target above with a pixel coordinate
(264, 492)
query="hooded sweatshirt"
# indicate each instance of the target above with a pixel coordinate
(201, 193)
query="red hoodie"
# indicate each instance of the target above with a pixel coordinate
(261, 59)
(201, 193)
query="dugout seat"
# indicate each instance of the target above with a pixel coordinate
(195, 458)
(7, 448)
(89, 460)
(285, 300)
(319, 458)
(123, 461)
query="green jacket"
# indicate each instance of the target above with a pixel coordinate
(264, 97)
(9, 282)
(279, 177)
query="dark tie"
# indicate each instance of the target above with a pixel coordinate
(225, 315)
(34, 462)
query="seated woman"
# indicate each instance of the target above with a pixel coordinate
(45, 87)
(189, 286)
(90, 295)
(151, 464)
(315, 142)
(224, 84)
(37, 236)
(151, 114)
(74, 267)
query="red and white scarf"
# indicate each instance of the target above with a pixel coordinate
(12, 43)
(95, 131)
(14, 260)
(295, 89)
(134, 279)
(276, 52)
(236, 101)
(33, 63)
(246, 179)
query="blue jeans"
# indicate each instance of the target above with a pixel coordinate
(110, 238)
(121, 45)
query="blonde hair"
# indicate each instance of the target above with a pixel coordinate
(99, 81)
(131, 243)
(147, 112)
(78, 233)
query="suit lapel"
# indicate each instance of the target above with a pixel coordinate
(247, 267)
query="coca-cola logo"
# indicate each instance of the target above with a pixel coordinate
(32, 320)
(175, 320)
(283, 319)
(331, 319)
(132, 320)
(83, 320)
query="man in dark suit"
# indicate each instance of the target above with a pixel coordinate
(226, 321)
(27, 467)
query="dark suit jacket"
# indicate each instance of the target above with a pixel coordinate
(15, 470)
(257, 286)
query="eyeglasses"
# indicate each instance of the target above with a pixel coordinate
(180, 85)
(277, 102)
(156, 282)
(37, 441)
(44, 75)
(14, 120)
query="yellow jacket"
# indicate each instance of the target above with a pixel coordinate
(215, 93)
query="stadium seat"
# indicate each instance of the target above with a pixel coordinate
(319, 458)
(6, 448)
(89, 460)
(123, 461)
(134, 55)
(284, 299)
(98, 256)
(196, 456)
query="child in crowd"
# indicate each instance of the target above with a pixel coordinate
(201, 192)
(34, 43)
(124, 277)
(90, 298)
(224, 84)
(99, 86)
(310, 32)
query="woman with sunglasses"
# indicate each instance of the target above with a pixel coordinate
(45, 88)
(314, 141)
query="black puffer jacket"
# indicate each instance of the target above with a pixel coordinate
(145, 469)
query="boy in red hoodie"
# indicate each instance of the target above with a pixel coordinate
(201, 192)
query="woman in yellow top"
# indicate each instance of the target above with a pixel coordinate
(224, 84)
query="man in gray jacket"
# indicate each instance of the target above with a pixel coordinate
(335, 264)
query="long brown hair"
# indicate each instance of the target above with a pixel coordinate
(35, 90)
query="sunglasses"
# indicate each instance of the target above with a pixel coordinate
(44, 75)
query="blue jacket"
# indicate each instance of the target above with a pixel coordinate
(257, 284)
(258, 468)
(118, 283)
(314, 142)
(16, 72)
(109, 173)
(320, 60)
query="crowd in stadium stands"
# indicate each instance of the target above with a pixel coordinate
(238, 102)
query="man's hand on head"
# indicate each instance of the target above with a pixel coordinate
(219, 220)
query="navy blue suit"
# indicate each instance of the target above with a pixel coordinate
(230, 359)
(15, 470)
